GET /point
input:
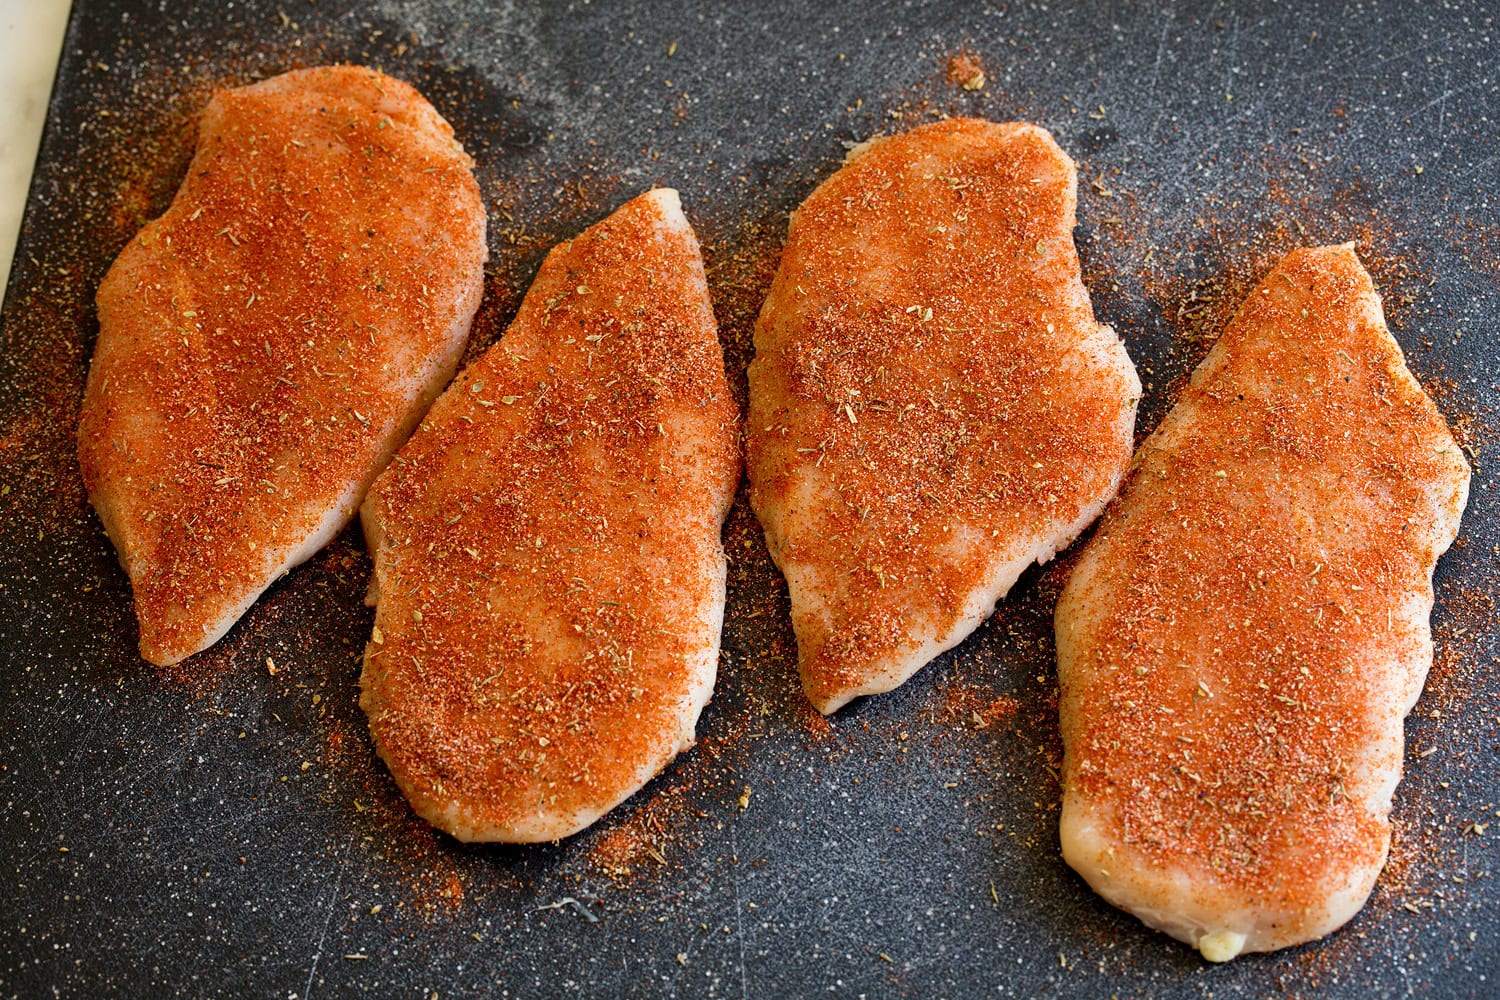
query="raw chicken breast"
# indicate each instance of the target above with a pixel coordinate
(549, 573)
(932, 406)
(267, 344)
(1242, 637)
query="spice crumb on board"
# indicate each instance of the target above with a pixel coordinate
(964, 69)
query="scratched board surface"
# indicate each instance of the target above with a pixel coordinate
(225, 828)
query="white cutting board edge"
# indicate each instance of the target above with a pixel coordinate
(31, 33)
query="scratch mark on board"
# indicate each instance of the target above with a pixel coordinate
(333, 898)
(1442, 137)
(739, 925)
(583, 911)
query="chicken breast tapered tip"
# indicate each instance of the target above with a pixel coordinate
(267, 343)
(549, 573)
(1244, 634)
(933, 407)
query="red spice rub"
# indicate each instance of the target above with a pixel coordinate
(932, 405)
(268, 342)
(1240, 642)
(550, 576)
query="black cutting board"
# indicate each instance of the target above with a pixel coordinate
(225, 830)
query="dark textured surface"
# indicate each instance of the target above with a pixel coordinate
(226, 830)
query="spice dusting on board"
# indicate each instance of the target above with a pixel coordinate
(976, 707)
(741, 257)
(1145, 266)
(818, 726)
(649, 832)
(956, 83)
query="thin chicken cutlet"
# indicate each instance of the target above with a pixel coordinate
(1243, 636)
(549, 573)
(267, 343)
(932, 406)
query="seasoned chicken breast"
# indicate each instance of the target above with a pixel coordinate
(1242, 637)
(267, 343)
(549, 573)
(932, 406)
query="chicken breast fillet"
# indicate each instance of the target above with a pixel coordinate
(267, 344)
(1241, 639)
(547, 557)
(932, 406)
